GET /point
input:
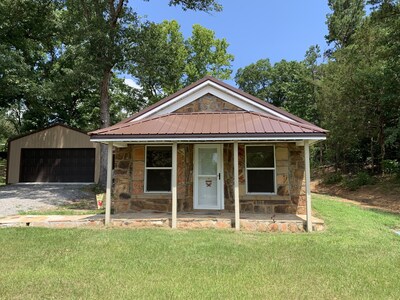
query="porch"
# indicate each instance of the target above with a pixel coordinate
(224, 191)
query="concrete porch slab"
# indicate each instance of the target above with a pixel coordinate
(186, 220)
(219, 219)
(59, 221)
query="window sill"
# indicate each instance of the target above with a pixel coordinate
(262, 194)
(158, 193)
(151, 196)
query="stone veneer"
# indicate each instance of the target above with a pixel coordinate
(208, 103)
(129, 173)
(290, 182)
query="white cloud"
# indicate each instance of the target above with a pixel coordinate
(130, 82)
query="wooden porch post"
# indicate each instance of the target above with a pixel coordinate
(174, 184)
(109, 182)
(308, 192)
(236, 184)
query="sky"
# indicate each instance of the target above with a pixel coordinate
(255, 29)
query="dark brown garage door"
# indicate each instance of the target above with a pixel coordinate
(57, 165)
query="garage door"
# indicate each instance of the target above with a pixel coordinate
(57, 165)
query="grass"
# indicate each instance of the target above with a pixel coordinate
(3, 164)
(358, 257)
(83, 207)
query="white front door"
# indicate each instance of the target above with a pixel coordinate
(208, 177)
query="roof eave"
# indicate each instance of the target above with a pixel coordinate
(209, 137)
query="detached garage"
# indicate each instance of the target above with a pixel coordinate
(55, 154)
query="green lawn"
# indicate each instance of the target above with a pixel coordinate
(357, 257)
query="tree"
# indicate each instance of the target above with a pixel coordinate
(206, 56)
(158, 59)
(343, 22)
(59, 60)
(291, 85)
(360, 88)
(28, 51)
(162, 61)
(103, 31)
(7, 128)
(255, 79)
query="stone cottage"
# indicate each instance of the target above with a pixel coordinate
(210, 147)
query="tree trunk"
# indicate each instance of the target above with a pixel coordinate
(105, 121)
(372, 156)
(381, 139)
(115, 14)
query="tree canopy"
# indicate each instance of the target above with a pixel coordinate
(163, 61)
(61, 60)
(354, 93)
(287, 84)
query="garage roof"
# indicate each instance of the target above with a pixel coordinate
(42, 129)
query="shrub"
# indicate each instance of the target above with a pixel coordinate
(360, 179)
(391, 166)
(350, 184)
(332, 178)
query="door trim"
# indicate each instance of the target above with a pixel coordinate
(220, 170)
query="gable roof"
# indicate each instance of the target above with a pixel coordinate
(209, 80)
(228, 124)
(45, 128)
(258, 120)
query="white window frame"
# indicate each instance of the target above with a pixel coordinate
(155, 168)
(246, 168)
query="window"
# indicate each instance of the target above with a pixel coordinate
(260, 169)
(158, 168)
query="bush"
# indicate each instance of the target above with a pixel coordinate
(391, 166)
(332, 178)
(350, 184)
(361, 178)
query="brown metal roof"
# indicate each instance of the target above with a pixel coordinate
(209, 124)
(225, 85)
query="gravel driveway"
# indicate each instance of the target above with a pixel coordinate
(23, 197)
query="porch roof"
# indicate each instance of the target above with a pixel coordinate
(212, 125)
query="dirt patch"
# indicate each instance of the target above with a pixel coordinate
(384, 195)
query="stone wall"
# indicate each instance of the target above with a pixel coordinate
(228, 178)
(208, 103)
(129, 175)
(129, 172)
(289, 177)
(297, 178)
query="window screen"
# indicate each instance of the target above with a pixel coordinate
(158, 168)
(260, 169)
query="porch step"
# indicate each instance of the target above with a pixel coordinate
(189, 223)
(261, 225)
